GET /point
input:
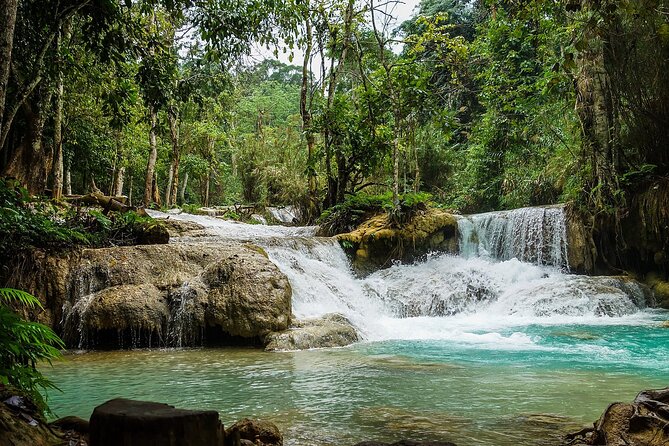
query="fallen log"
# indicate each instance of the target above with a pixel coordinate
(108, 203)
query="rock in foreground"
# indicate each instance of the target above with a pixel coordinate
(258, 432)
(122, 422)
(644, 422)
(331, 330)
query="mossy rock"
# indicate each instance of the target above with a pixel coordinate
(376, 243)
(660, 289)
(153, 234)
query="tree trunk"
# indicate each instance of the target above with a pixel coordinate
(396, 166)
(31, 163)
(207, 182)
(117, 178)
(168, 185)
(118, 182)
(68, 181)
(335, 68)
(153, 156)
(182, 191)
(155, 191)
(416, 177)
(597, 109)
(8, 19)
(305, 111)
(210, 150)
(58, 114)
(130, 189)
(173, 183)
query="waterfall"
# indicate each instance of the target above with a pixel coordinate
(511, 272)
(535, 235)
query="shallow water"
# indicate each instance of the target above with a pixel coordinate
(529, 393)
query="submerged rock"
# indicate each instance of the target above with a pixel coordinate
(642, 423)
(142, 423)
(376, 243)
(331, 330)
(257, 432)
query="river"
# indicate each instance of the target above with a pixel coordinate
(499, 345)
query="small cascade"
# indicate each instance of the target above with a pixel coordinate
(183, 327)
(510, 290)
(287, 215)
(535, 235)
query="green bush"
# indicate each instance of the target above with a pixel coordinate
(23, 345)
(346, 216)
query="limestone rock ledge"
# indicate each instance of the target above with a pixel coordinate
(376, 243)
(160, 295)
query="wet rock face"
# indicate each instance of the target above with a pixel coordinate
(248, 297)
(168, 295)
(141, 423)
(331, 330)
(375, 243)
(580, 248)
(182, 228)
(257, 432)
(642, 423)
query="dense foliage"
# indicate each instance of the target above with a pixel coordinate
(24, 345)
(27, 223)
(484, 104)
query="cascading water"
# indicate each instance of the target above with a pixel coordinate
(535, 235)
(509, 274)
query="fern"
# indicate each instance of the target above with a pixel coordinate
(23, 345)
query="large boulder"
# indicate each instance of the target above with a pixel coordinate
(377, 242)
(122, 307)
(257, 432)
(642, 423)
(123, 422)
(183, 228)
(248, 297)
(331, 330)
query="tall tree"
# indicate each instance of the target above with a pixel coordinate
(8, 9)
